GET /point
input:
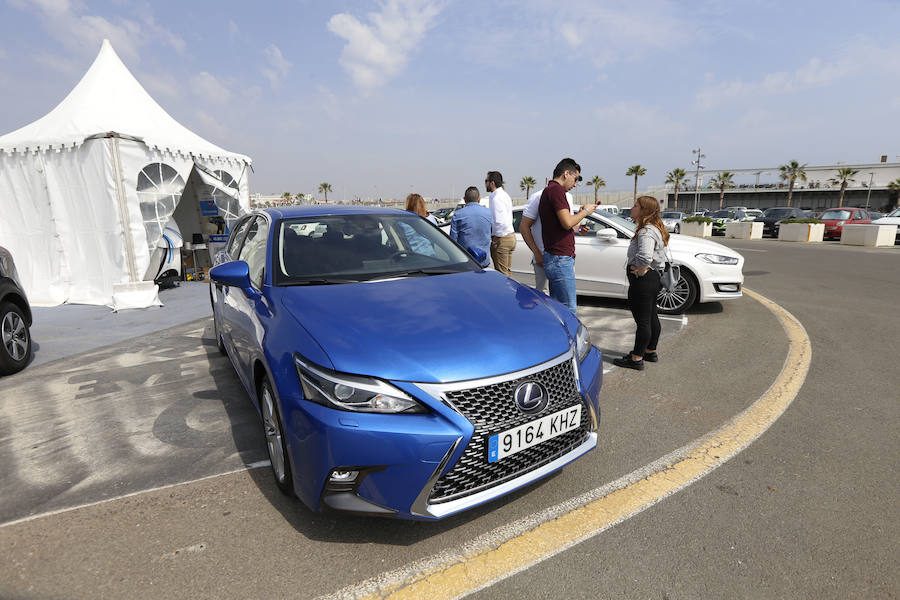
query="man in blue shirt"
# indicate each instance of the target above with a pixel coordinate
(471, 225)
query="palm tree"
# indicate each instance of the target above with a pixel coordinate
(598, 182)
(843, 177)
(894, 186)
(324, 188)
(791, 172)
(723, 180)
(637, 171)
(286, 197)
(676, 176)
(526, 184)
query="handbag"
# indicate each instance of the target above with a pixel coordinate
(670, 275)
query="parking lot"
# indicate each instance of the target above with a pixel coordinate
(132, 472)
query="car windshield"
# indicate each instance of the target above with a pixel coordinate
(778, 213)
(894, 213)
(351, 247)
(835, 214)
(723, 214)
(619, 221)
(671, 215)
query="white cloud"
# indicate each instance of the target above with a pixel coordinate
(210, 89)
(379, 51)
(814, 74)
(82, 33)
(278, 66)
(160, 84)
(612, 31)
(209, 126)
(637, 121)
(858, 59)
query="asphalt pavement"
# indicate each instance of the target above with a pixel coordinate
(807, 511)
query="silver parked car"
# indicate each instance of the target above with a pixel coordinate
(672, 220)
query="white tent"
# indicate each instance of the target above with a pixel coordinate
(87, 190)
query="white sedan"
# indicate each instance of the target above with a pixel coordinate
(709, 271)
(892, 218)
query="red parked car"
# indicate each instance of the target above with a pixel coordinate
(836, 218)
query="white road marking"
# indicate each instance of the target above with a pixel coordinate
(256, 465)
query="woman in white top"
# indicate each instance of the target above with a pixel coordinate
(646, 259)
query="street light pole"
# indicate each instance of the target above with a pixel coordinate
(697, 178)
(869, 195)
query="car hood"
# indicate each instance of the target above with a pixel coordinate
(432, 329)
(887, 221)
(687, 244)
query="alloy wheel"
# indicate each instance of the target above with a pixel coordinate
(674, 301)
(273, 434)
(15, 336)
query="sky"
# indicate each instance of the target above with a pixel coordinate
(384, 98)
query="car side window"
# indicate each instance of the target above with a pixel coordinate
(234, 244)
(587, 228)
(253, 252)
(517, 220)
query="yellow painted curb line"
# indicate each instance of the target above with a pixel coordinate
(483, 568)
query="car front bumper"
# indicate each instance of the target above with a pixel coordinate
(721, 282)
(429, 466)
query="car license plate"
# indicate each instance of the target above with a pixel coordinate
(530, 434)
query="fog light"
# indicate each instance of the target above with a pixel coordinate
(728, 287)
(343, 476)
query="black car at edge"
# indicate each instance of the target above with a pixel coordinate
(772, 217)
(15, 318)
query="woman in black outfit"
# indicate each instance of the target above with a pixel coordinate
(646, 260)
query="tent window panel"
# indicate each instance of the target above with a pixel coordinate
(229, 207)
(159, 188)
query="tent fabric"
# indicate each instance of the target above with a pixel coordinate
(86, 191)
(109, 99)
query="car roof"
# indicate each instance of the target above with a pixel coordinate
(323, 210)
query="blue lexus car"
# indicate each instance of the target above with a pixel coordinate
(395, 376)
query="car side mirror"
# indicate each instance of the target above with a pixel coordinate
(478, 254)
(607, 235)
(235, 273)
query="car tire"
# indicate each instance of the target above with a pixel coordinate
(15, 339)
(677, 227)
(275, 440)
(220, 344)
(681, 298)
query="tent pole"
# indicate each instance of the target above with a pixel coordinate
(124, 217)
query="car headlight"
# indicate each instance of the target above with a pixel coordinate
(582, 342)
(353, 392)
(717, 259)
(840, 222)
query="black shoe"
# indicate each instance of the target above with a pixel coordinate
(627, 362)
(651, 356)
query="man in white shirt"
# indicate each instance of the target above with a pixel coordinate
(530, 228)
(503, 237)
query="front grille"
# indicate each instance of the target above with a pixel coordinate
(491, 409)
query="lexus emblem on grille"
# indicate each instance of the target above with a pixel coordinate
(531, 397)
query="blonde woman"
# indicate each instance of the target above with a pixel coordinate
(646, 259)
(415, 203)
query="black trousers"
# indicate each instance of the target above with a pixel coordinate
(642, 292)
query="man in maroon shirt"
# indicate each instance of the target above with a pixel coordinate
(557, 222)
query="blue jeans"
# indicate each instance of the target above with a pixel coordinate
(560, 271)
